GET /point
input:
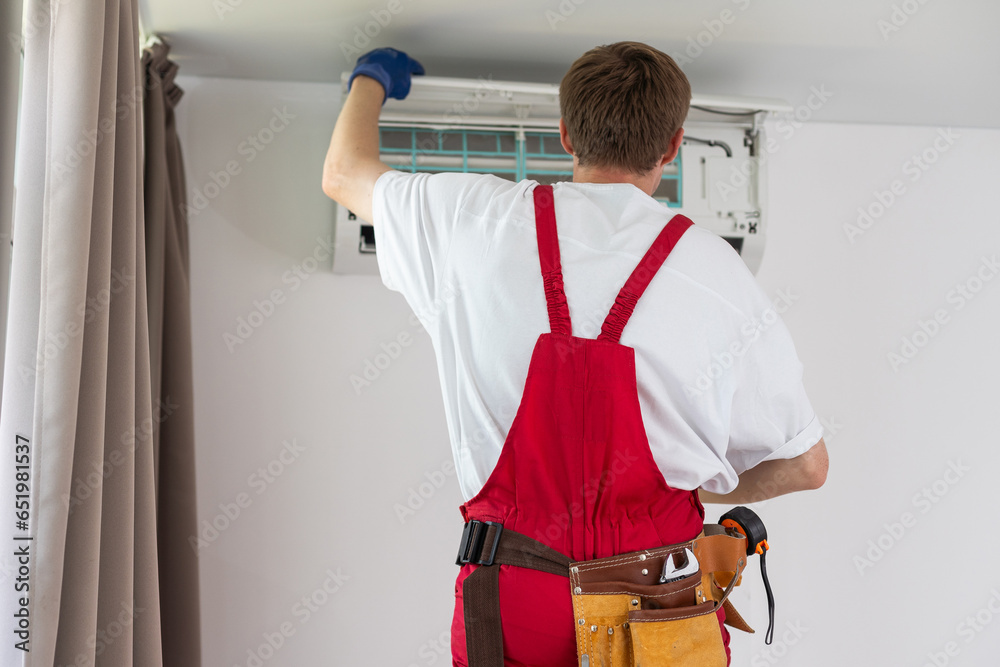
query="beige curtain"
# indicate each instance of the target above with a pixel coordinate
(10, 75)
(167, 271)
(106, 494)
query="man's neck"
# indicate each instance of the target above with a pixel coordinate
(645, 182)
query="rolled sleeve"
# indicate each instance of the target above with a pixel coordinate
(800, 444)
(772, 417)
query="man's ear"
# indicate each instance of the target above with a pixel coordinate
(564, 137)
(673, 148)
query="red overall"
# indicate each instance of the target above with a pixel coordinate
(575, 472)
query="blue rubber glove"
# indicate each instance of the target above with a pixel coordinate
(389, 67)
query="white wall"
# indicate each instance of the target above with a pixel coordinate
(891, 433)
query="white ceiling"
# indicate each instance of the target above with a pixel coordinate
(941, 67)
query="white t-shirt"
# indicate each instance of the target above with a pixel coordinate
(720, 385)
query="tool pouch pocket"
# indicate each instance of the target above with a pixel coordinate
(603, 611)
(624, 617)
(682, 636)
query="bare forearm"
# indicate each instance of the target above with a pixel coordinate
(352, 162)
(770, 479)
(766, 480)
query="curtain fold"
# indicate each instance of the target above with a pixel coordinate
(97, 396)
(169, 298)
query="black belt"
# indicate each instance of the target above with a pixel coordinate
(488, 544)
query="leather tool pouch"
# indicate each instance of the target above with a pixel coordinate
(625, 617)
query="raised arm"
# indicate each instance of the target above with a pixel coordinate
(352, 162)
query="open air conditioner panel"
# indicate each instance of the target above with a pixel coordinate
(510, 129)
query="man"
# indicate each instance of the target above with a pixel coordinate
(610, 448)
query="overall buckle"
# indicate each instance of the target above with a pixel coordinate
(473, 538)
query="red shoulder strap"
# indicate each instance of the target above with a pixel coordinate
(548, 255)
(636, 284)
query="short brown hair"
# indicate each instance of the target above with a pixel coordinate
(622, 103)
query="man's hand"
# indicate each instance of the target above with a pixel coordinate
(769, 479)
(352, 163)
(389, 67)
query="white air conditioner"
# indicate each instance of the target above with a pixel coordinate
(511, 129)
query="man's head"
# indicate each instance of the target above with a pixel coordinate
(622, 106)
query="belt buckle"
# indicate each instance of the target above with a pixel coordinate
(473, 538)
